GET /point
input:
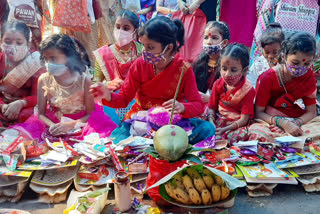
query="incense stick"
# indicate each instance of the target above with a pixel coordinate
(176, 94)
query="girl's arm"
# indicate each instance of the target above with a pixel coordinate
(88, 101)
(161, 9)
(145, 10)
(285, 124)
(243, 121)
(42, 103)
(311, 112)
(211, 115)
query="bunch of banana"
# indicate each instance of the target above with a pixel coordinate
(195, 188)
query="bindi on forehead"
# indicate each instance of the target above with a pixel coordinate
(303, 60)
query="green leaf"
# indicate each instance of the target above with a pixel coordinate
(163, 193)
(194, 149)
(191, 158)
(151, 151)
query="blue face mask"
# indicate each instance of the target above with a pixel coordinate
(56, 69)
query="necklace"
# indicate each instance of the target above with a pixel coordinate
(127, 52)
(212, 63)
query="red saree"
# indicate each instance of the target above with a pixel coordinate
(269, 90)
(14, 88)
(230, 105)
(194, 25)
(153, 90)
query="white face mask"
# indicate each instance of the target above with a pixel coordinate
(56, 69)
(122, 37)
(15, 53)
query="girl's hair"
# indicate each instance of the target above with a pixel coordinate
(165, 31)
(299, 42)
(222, 27)
(77, 56)
(130, 16)
(273, 34)
(237, 51)
(201, 68)
(16, 26)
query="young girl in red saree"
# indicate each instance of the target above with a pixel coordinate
(19, 73)
(232, 96)
(113, 62)
(153, 79)
(280, 87)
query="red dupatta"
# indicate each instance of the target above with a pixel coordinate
(303, 87)
(231, 99)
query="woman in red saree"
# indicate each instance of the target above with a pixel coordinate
(280, 87)
(19, 72)
(232, 96)
(153, 79)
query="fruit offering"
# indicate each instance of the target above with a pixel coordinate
(192, 187)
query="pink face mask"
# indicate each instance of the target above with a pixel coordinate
(122, 37)
(232, 80)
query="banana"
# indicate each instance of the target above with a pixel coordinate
(192, 173)
(218, 180)
(216, 193)
(182, 196)
(170, 189)
(206, 197)
(194, 196)
(187, 182)
(207, 172)
(208, 180)
(199, 184)
(225, 191)
(178, 179)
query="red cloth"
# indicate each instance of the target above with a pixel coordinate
(241, 16)
(159, 169)
(194, 25)
(220, 99)
(154, 90)
(269, 90)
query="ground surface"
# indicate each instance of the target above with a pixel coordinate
(287, 199)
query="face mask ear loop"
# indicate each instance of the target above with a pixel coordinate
(162, 54)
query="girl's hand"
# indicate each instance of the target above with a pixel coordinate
(205, 98)
(211, 120)
(292, 129)
(276, 129)
(12, 110)
(100, 91)
(115, 84)
(4, 108)
(61, 128)
(221, 131)
(183, 7)
(179, 107)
